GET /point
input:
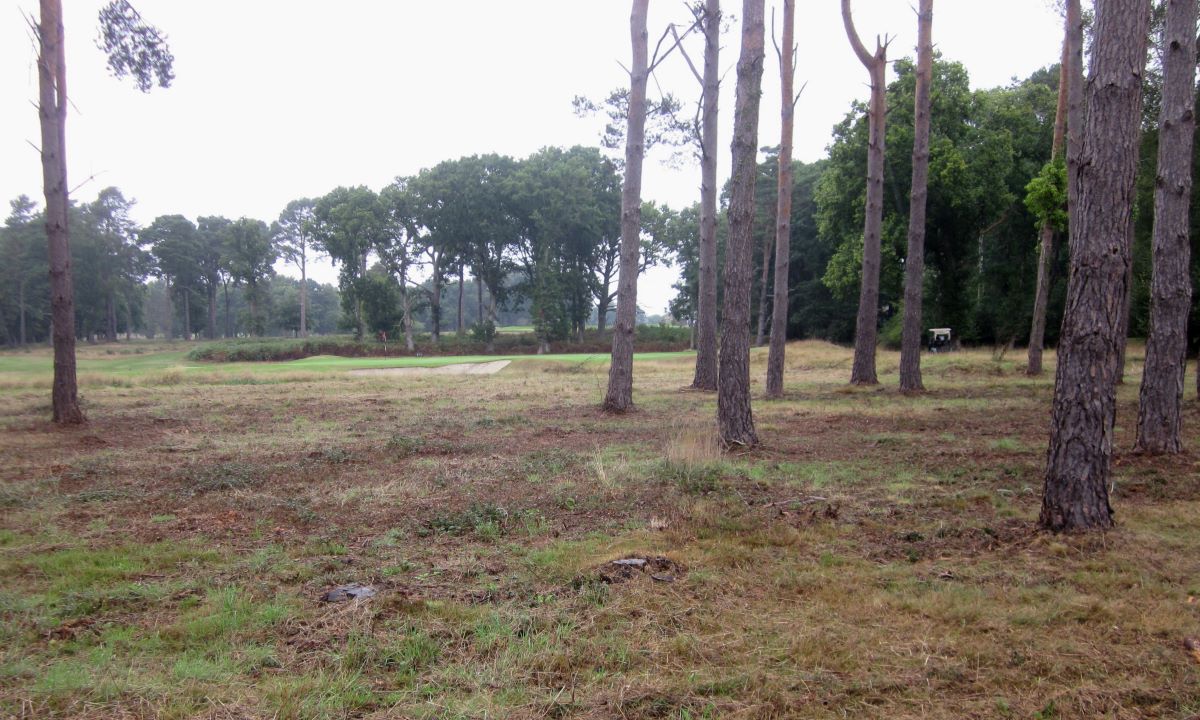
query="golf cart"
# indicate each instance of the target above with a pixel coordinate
(939, 340)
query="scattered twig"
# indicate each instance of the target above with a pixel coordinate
(799, 501)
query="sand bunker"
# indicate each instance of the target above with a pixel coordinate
(487, 368)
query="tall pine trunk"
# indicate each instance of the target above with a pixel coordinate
(735, 421)
(783, 204)
(1047, 246)
(110, 317)
(914, 261)
(620, 373)
(21, 309)
(187, 314)
(1158, 428)
(303, 296)
(228, 320)
(52, 114)
(705, 377)
(212, 311)
(866, 330)
(760, 336)
(435, 300)
(462, 273)
(1084, 410)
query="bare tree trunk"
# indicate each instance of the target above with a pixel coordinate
(1126, 302)
(462, 270)
(783, 204)
(479, 291)
(303, 296)
(620, 373)
(735, 421)
(602, 315)
(1158, 429)
(110, 317)
(52, 113)
(360, 330)
(914, 261)
(491, 344)
(406, 308)
(760, 335)
(21, 309)
(435, 300)
(705, 377)
(1084, 410)
(1076, 113)
(128, 321)
(212, 312)
(187, 314)
(228, 322)
(1047, 249)
(866, 329)
(170, 329)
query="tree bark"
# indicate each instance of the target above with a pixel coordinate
(187, 314)
(1080, 453)
(435, 299)
(212, 312)
(914, 261)
(1047, 246)
(1076, 113)
(735, 420)
(170, 329)
(228, 322)
(602, 314)
(705, 377)
(1158, 428)
(866, 327)
(303, 296)
(620, 373)
(21, 309)
(479, 292)
(462, 271)
(52, 114)
(1126, 302)
(760, 336)
(783, 204)
(110, 317)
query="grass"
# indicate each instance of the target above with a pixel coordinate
(876, 558)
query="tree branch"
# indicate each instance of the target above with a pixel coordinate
(656, 60)
(690, 64)
(855, 41)
(799, 93)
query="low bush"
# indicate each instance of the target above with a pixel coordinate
(648, 338)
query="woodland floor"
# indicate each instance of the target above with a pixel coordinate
(875, 559)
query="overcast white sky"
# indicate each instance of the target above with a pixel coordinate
(277, 99)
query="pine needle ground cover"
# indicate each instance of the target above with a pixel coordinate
(876, 558)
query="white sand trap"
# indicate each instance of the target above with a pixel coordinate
(487, 368)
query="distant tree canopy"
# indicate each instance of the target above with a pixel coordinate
(536, 239)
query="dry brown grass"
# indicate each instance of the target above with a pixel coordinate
(875, 559)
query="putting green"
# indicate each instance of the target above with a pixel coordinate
(38, 364)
